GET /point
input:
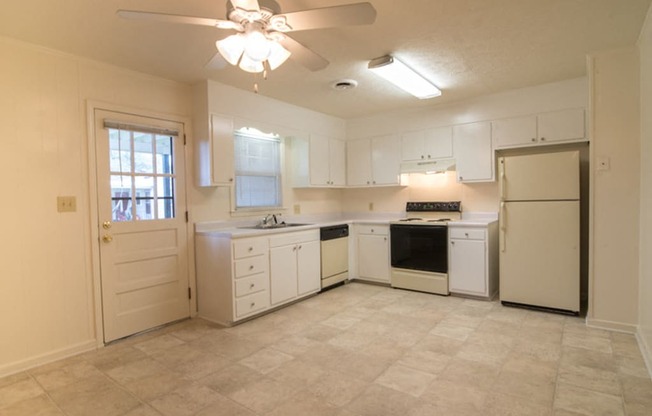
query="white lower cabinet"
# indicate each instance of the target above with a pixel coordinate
(240, 278)
(372, 246)
(473, 260)
(294, 265)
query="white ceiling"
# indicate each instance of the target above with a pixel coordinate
(466, 47)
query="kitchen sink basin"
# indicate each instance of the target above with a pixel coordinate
(274, 226)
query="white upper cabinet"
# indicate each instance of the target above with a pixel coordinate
(473, 152)
(215, 151)
(319, 161)
(552, 127)
(434, 143)
(374, 162)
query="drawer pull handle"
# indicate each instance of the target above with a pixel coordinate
(250, 249)
(299, 247)
(466, 234)
(251, 267)
(253, 304)
(251, 286)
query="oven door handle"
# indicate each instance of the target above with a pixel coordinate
(502, 226)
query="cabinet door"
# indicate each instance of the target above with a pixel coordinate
(337, 152)
(467, 271)
(473, 152)
(222, 150)
(412, 146)
(319, 164)
(386, 160)
(283, 273)
(308, 267)
(517, 131)
(358, 162)
(373, 257)
(438, 143)
(559, 126)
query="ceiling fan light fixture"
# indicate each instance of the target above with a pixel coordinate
(256, 46)
(403, 77)
(278, 54)
(249, 65)
(231, 48)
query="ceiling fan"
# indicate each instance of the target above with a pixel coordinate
(260, 41)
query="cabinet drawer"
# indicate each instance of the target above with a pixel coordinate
(467, 233)
(253, 303)
(251, 284)
(373, 229)
(249, 247)
(250, 266)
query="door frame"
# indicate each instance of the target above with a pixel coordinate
(91, 107)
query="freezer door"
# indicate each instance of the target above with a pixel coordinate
(542, 177)
(540, 254)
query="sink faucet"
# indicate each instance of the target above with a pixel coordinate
(267, 220)
(275, 218)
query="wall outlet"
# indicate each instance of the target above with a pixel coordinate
(371, 206)
(66, 204)
(297, 209)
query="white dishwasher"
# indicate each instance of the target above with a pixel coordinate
(334, 254)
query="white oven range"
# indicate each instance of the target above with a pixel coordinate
(419, 246)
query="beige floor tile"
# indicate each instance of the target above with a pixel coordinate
(320, 332)
(637, 390)
(153, 386)
(97, 396)
(297, 373)
(507, 405)
(381, 401)
(588, 358)
(590, 378)
(538, 391)
(424, 360)
(587, 341)
(352, 340)
(223, 406)
(587, 402)
(14, 378)
(405, 379)
(341, 321)
(470, 373)
(136, 370)
(439, 344)
(201, 366)
(631, 366)
(35, 406)
(295, 345)
(524, 364)
(114, 356)
(230, 379)
(542, 351)
(360, 366)
(185, 401)
(266, 360)
(143, 410)
(337, 388)
(456, 320)
(158, 344)
(66, 375)
(493, 355)
(232, 347)
(452, 330)
(635, 409)
(455, 395)
(263, 395)
(25, 388)
(305, 403)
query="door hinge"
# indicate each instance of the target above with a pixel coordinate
(184, 139)
(186, 216)
(189, 293)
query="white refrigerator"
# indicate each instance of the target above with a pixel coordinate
(540, 230)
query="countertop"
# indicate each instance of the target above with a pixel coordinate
(242, 229)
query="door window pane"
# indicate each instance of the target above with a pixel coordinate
(142, 175)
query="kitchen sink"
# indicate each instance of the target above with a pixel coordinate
(274, 226)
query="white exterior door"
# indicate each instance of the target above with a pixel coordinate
(142, 222)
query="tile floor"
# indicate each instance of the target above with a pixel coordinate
(357, 350)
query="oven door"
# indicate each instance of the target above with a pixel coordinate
(419, 247)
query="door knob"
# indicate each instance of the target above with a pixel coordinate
(107, 238)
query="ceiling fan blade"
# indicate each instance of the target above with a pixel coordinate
(175, 18)
(249, 5)
(216, 62)
(350, 14)
(303, 55)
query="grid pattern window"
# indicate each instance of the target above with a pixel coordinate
(142, 175)
(257, 170)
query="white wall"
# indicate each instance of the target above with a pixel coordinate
(475, 197)
(250, 109)
(46, 289)
(645, 227)
(613, 299)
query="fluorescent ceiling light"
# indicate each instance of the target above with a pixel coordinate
(403, 77)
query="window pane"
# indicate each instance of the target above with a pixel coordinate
(119, 151)
(164, 147)
(145, 195)
(257, 191)
(121, 205)
(143, 153)
(165, 197)
(165, 208)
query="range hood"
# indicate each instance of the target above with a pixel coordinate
(428, 166)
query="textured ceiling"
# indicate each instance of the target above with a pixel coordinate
(466, 47)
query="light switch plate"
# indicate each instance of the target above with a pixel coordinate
(66, 204)
(297, 209)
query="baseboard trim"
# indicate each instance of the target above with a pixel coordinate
(26, 364)
(646, 351)
(611, 326)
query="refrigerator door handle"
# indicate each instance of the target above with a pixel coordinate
(501, 175)
(502, 226)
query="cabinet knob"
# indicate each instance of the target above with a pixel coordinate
(299, 247)
(230, 179)
(294, 248)
(543, 139)
(534, 139)
(251, 267)
(466, 234)
(374, 182)
(372, 230)
(452, 243)
(250, 249)
(251, 286)
(428, 156)
(253, 304)
(461, 178)
(367, 182)
(422, 157)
